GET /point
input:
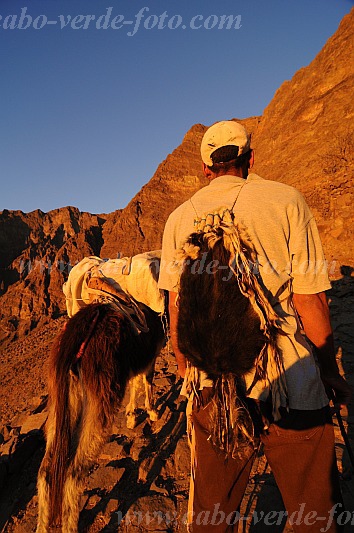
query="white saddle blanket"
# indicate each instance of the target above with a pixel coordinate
(136, 276)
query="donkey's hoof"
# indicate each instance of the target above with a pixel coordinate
(153, 415)
(132, 420)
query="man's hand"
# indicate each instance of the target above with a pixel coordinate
(173, 312)
(337, 390)
(313, 312)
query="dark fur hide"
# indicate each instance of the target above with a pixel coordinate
(218, 330)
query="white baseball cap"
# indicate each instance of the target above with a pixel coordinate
(225, 133)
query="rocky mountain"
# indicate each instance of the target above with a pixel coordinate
(37, 249)
(304, 138)
(139, 226)
(142, 474)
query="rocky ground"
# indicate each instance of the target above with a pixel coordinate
(140, 481)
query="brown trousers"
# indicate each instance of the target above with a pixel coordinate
(300, 451)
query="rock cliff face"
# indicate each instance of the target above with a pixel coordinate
(303, 139)
(37, 250)
(304, 126)
(140, 225)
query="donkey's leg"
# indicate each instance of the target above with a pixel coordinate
(148, 377)
(43, 499)
(42, 480)
(91, 436)
(130, 410)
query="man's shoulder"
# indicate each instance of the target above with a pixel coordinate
(180, 210)
(278, 188)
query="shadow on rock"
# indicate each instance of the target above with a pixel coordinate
(139, 472)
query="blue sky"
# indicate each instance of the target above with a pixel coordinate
(87, 115)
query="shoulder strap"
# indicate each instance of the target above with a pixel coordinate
(237, 196)
(232, 207)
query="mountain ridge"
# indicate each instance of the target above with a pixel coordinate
(303, 138)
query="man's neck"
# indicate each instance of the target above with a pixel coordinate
(237, 172)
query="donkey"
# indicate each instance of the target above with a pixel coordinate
(90, 365)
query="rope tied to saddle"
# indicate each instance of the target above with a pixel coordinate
(104, 290)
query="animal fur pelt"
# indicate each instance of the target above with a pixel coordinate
(90, 365)
(218, 329)
(226, 325)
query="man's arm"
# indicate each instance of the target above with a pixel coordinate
(314, 314)
(173, 312)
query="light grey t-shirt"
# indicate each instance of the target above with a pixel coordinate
(285, 236)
